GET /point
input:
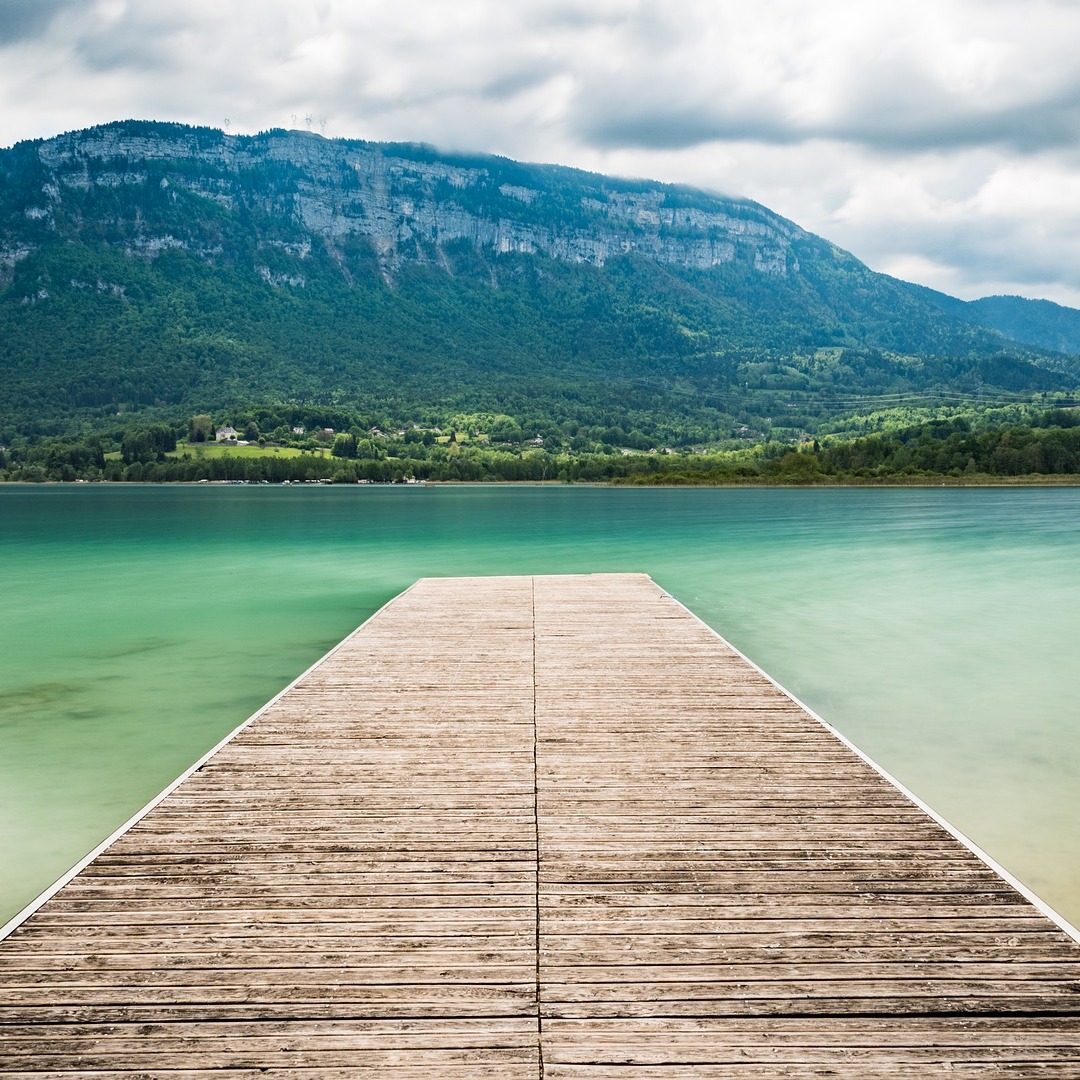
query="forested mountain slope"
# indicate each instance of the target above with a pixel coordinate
(156, 270)
(1041, 323)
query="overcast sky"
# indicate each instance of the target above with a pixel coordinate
(938, 140)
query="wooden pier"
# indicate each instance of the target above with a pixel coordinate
(537, 827)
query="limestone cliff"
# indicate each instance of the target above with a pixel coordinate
(407, 200)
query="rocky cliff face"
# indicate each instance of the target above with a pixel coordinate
(143, 184)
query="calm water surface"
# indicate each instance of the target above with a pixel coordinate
(936, 628)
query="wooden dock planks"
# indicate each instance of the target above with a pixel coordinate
(348, 887)
(726, 890)
(524, 827)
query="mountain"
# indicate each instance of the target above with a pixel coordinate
(151, 269)
(1041, 323)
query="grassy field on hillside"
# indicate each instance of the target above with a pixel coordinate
(207, 451)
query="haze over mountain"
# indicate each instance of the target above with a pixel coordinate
(160, 269)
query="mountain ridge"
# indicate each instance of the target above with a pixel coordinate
(342, 187)
(1042, 323)
(154, 267)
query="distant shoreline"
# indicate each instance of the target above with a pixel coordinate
(863, 483)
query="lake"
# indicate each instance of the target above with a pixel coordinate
(936, 628)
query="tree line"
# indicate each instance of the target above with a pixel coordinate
(1048, 446)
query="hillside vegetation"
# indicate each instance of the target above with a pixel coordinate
(152, 272)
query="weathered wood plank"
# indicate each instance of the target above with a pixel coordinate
(708, 849)
(367, 847)
(525, 826)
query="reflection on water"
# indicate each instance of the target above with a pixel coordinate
(936, 628)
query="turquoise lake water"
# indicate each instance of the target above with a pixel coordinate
(937, 628)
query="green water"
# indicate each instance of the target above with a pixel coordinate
(936, 628)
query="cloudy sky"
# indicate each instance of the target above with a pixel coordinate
(938, 140)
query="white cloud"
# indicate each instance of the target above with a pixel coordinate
(937, 138)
